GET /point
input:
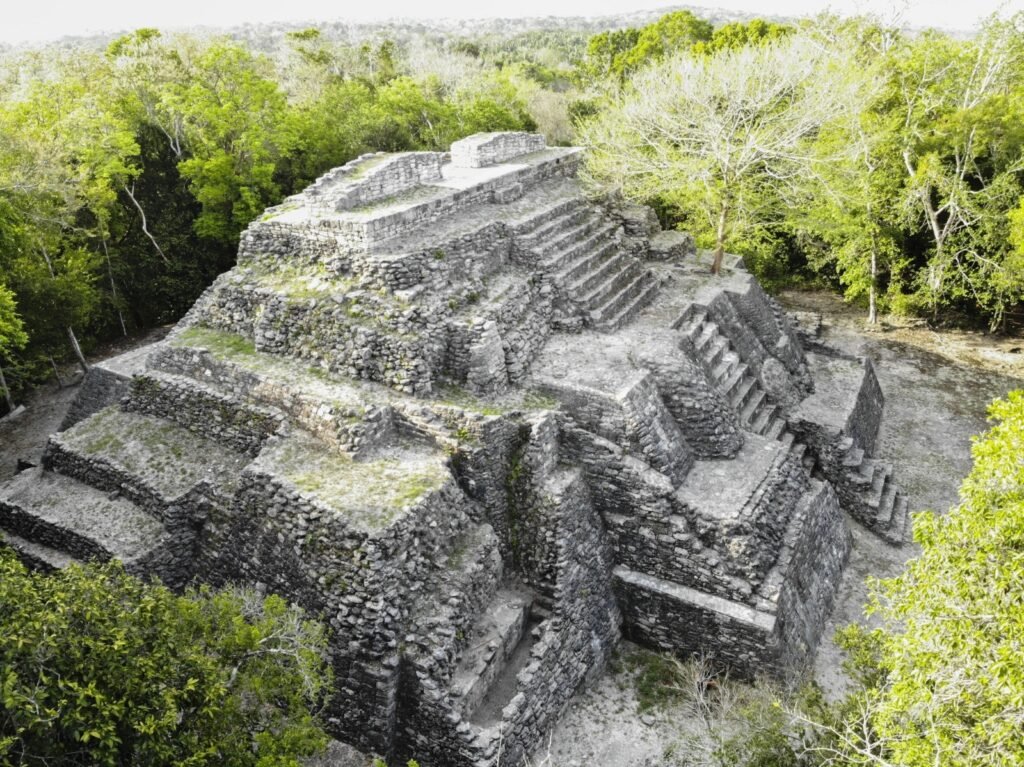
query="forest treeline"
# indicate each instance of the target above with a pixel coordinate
(886, 164)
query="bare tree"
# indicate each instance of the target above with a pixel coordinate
(719, 129)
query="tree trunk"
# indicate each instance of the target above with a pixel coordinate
(113, 289)
(7, 392)
(723, 218)
(56, 372)
(78, 350)
(872, 306)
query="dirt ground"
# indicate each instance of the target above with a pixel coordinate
(937, 388)
(23, 437)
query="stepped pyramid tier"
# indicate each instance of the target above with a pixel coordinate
(485, 425)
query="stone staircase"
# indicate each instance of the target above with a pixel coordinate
(871, 495)
(498, 646)
(579, 250)
(733, 377)
(118, 485)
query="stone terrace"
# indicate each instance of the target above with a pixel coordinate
(485, 425)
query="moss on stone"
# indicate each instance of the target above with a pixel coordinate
(370, 494)
(219, 342)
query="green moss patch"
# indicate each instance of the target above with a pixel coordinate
(371, 494)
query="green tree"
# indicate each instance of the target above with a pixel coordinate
(99, 668)
(945, 672)
(12, 337)
(719, 135)
(963, 154)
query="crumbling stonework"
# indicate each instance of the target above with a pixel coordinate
(484, 426)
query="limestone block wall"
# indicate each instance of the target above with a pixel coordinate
(181, 516)
(483, 149)
(774, 633)
(813, 565)
(271, 243)
(573, 643)
(635, 417)
(470, 256)
(350, 429)
(865, 419)
(378, 178)
(202, 411)
(287, 540)
(322, 331)
(684, 621)
(99, 389)
(707, 420)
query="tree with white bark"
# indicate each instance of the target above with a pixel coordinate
(721, 135)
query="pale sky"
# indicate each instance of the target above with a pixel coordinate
(39, 20)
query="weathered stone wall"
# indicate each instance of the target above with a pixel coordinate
(865, 419)
(678, 619)
(706, 419)
(202, 411)
(483, 149)
(813, 564)
(574, 642)
(378, 178)
(635, 417)
(308, 553)
(99, 389)
(351, 429)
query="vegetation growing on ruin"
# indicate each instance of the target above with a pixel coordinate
(99, 668)
(171, 458)
(371, 492)
(218, 342)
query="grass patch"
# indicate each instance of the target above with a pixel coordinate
(219, 342)
(370, 493)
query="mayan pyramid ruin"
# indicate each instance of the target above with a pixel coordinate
(485, 426)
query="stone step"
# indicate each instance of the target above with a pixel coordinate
(557, 260)
(764, 418)
(736, 377)
(879, 478)
(708, 334)
(896, 533)
(633, 306)
(742, 391)
(491, 644)
(588, 264)
(621, 306)
(690, 322)
(565, 215)
(152, 461)
(714, 351)
(621, 275)
(602, 269)
(853, 458)
(753, 403)
(726, 367)
(885, 505)
(83, 523)
(572, 232)
(36, 556)
(203, 410)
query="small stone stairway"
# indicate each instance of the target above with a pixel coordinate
(497, 649)
(578, 248)
(871, 494)
(733, 377)
(52, 521)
